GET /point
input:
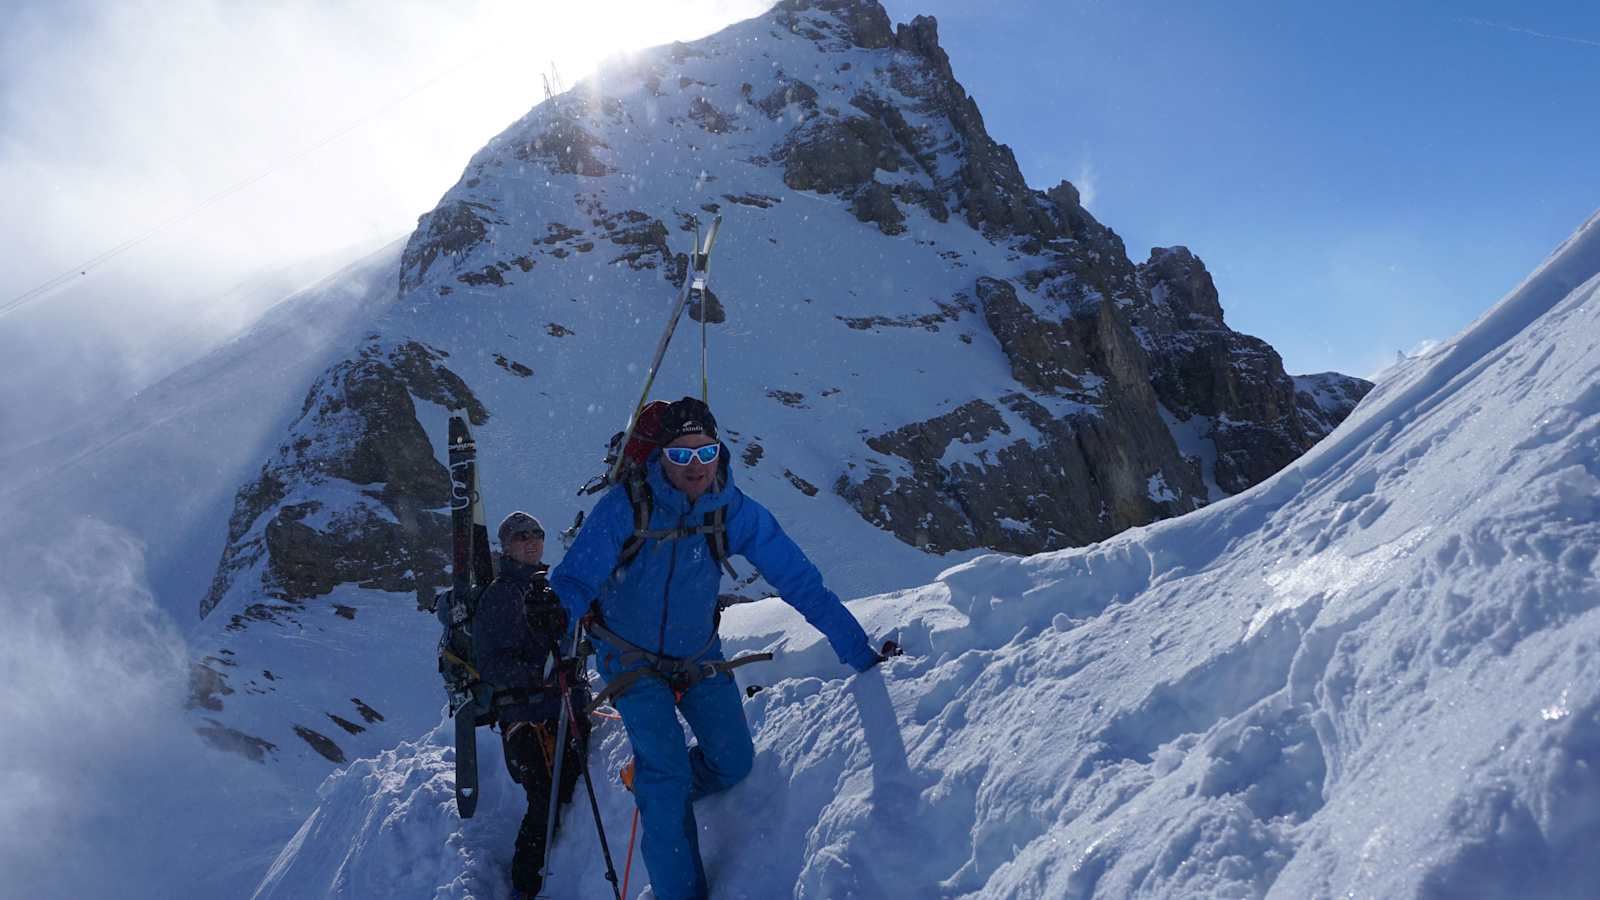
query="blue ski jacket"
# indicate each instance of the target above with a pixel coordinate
(665, 600)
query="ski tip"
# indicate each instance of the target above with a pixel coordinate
(468, 792)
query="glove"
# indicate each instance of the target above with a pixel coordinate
(549, 620)
(890, 648)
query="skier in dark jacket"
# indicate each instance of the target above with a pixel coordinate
(519, 636)
(661, 610)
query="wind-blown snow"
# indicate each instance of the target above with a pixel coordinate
(108, 537)
(1374, 675)
(166, 467)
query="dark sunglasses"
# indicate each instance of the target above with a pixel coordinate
(527, 535)
(681, 456)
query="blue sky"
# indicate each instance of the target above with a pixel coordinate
(1359, 177)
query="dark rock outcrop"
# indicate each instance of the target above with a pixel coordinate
(713, 120)
(989, 188)
(321, 743)
(353, 495)
(642, 238)
(714, 312)
(875, 204)
(1327, 399)
(450, 231)
(838, 155)
(568, 148)
(232, 740)
(1043, 354)
(1101, 461)
(1252, 408)
(858, 24)
(789, 91)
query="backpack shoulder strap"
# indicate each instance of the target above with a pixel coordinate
(716, 531)
(714, 526)
(640, 498)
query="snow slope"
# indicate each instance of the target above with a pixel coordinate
(1373, 675)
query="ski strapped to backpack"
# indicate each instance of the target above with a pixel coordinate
(630, 447)
(694, 283)
(472, 567)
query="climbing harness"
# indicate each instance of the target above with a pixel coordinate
(680, 673)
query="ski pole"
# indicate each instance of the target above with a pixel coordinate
(555, 775)
(588, 782)
(633, 831)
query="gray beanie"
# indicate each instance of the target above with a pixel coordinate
(518, 521)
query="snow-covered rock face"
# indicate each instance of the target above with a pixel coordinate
(1375, 675)
(355, 493)
(1257, 418)
(915, 356)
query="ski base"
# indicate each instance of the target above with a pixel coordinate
(467, 760)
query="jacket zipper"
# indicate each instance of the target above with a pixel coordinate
(666, 591)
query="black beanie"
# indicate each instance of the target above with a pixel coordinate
(687, 416)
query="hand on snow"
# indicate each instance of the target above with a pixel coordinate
(890, 648)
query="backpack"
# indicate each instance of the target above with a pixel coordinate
(457, 661)
(457, 657)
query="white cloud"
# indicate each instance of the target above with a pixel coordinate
(257, 136)
(91, 681)
(1530, 32)
(1087, 183)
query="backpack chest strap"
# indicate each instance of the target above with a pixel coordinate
(713, 527)
(673, 534)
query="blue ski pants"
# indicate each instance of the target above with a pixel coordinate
(669, 776)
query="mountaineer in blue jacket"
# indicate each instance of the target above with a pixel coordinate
(654, 622)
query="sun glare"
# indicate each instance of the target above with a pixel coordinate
(537, 40)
